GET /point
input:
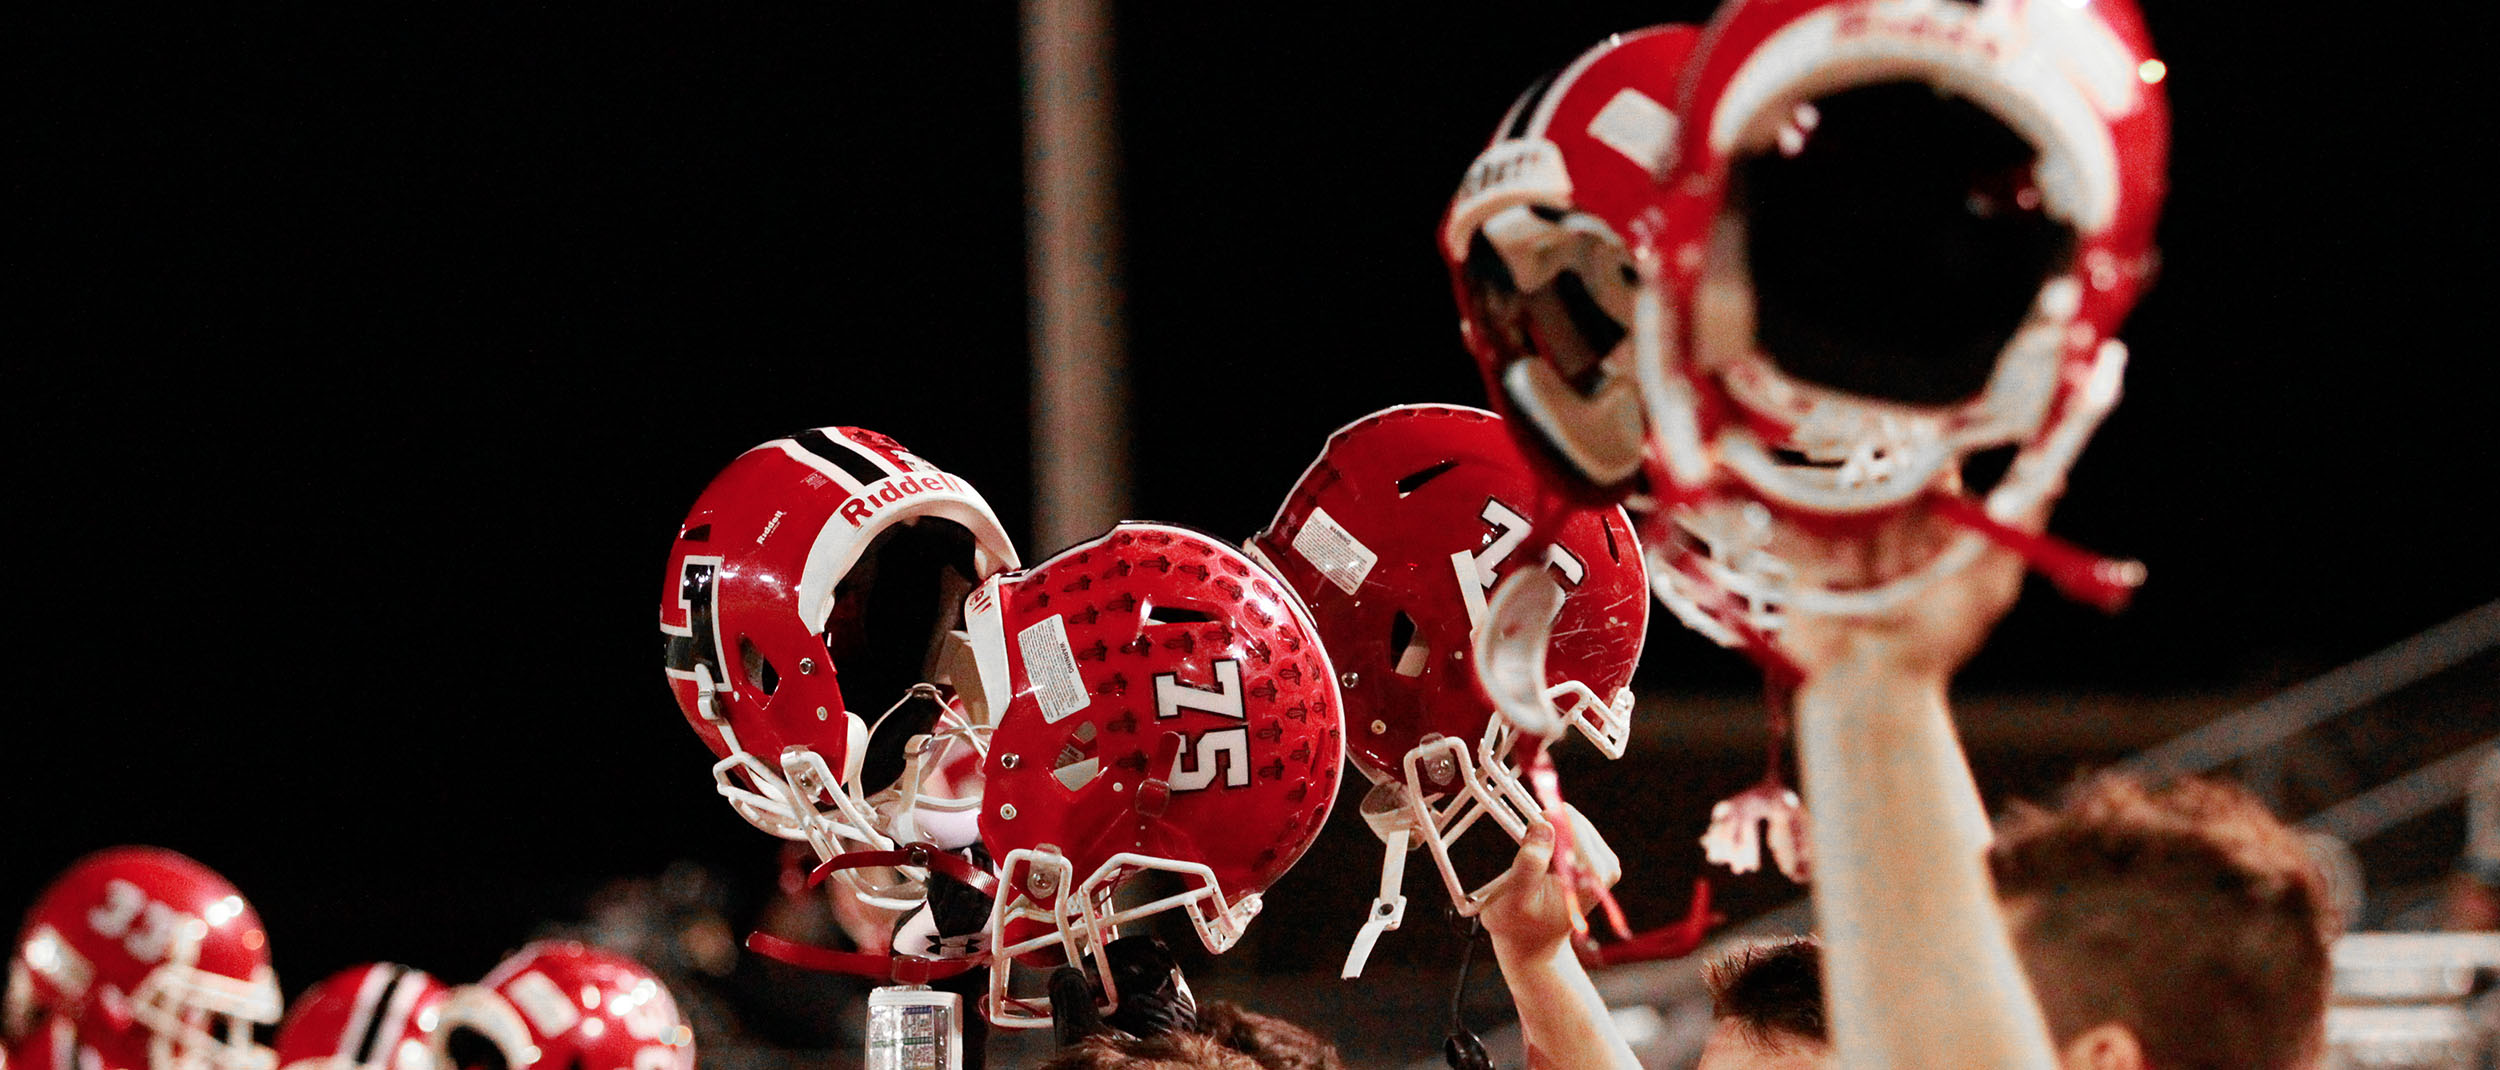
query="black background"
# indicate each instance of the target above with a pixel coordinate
(369, 359)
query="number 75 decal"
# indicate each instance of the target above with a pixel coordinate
(1224, 750)
(1478, 571)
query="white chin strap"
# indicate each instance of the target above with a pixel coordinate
(1417, 811)
(1448, 787)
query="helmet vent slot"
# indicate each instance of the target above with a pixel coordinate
(1078, 763)
(1414, 655)
(1156, 614)
(1613, 553)
(1800, 459)
(759, 671)
(1415, 480)
(697, 533)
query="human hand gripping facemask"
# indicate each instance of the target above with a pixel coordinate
(1562, 1020)
(1908, 915)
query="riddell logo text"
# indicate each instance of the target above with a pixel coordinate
(889, 491)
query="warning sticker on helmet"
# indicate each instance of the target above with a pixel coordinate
(1334, 551)
(1051, 668)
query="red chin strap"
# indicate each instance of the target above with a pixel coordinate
(927, 856)
(901, 969)
(1666, 942)
(2104, 583)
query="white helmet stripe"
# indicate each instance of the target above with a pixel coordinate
(356, 1038)
(382, 1040)
(863, 464)
(1543, 116)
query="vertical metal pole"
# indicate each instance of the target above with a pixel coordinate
(1071, 160)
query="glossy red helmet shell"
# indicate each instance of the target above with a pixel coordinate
(154, 958)
(2077, 82)
(1537, 241)
(1743, 444)
(834, 544)
(565, 1006)
(50, 1043)
(371, 1017)
(1163, 703)
(1381, 537)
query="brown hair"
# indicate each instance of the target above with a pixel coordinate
(1171, 1051)
(1228, 1037)
(1273, 1042)
(2186, 913)
(1775, 991)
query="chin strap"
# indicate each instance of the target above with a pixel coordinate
(1548, 787)
(1388, 908)
(927, 856)
(2104, 583)
(901, 969)
(1665, 942)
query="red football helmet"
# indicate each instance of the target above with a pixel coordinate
(155, 959)
(1898, 233)
(1394, 537)
(51, 1043)
(563, 1006)
(1163, 704)
(831, 547)
(1537, 240)
(371, 1017)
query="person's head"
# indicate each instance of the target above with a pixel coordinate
(1272, 1042)
(1171, 1051)
(1766, 1003)
(1228, 1037)
(2180, 926)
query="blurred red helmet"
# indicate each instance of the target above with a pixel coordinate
(50, 1043)
(563, 1006)
(371, 1017)
(1537, 240)
(1898, 233)
(154, 959)
(1161, 703)
(813, 586)
(1395, 536)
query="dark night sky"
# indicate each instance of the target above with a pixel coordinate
(372, 360)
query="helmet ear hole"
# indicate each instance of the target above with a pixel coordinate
(470, 1049)
(759, 671)
(1413, 653)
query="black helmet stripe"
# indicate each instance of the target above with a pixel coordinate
(852, 460)
(374, 1014)
(1525, 109)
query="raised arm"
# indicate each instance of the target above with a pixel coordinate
(1562, 1020)
(1918, 967)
